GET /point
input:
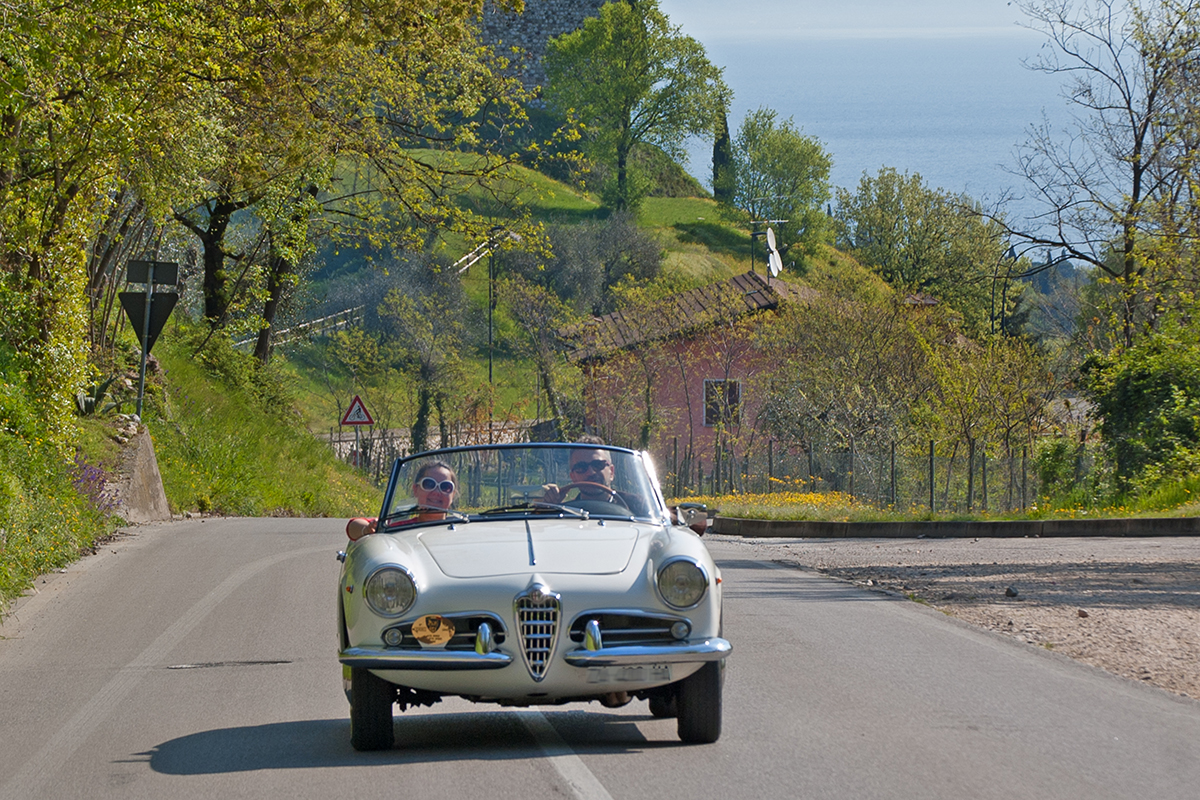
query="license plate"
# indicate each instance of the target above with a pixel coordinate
(654, 673)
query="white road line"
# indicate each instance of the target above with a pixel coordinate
(73, 734)
(583, 784)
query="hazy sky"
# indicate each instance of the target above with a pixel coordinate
(750, 20)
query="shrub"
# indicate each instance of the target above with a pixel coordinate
(1148, 398)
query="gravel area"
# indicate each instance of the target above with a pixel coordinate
(1130, 606)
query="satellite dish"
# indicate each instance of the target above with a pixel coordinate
(774, 262)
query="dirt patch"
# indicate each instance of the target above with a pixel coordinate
(1129, 606)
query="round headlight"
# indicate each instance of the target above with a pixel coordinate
(682, 583)
(390, 591)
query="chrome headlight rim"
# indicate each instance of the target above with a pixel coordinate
(658, 576)
(366, 590)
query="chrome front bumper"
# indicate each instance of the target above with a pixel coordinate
(433, 660)
(634, 655)
(713, 649)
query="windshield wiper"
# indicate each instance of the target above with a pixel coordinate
(575, 512)
(537, 505)
(411, 515)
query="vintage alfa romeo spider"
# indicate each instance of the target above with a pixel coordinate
(534, 574)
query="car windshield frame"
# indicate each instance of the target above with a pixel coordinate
(508, 481)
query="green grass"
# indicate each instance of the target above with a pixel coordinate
(224, 448)
(667, 212)
(840, 507)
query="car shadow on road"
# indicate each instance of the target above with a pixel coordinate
(420, 738)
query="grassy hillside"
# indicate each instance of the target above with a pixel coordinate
(229, 440)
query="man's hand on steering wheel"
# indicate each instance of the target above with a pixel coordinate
(591, 487)
(557, 494)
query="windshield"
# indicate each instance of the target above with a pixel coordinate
(486, 482)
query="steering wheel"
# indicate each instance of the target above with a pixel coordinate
(613, 495)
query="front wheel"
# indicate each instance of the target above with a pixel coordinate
(698, 703)
(371, 701)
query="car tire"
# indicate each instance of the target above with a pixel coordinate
(663, 706)
(371, 701)
(698, 701)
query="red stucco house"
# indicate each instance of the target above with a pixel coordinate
(682, 376)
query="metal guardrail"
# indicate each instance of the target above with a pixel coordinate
(313, 327)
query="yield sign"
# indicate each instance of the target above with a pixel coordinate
(161, 304)
(357, 414)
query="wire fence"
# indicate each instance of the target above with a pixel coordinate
(938, 476)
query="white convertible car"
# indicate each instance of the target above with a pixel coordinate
(534, 574)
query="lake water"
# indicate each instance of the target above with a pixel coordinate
(951, 108)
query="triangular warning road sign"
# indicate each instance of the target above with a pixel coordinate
(357, 414)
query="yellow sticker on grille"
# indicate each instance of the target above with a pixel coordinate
(433, 630)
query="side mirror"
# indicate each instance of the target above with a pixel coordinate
(692, 515)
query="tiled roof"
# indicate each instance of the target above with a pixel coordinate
(725, 300)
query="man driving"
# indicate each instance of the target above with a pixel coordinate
(591, 472)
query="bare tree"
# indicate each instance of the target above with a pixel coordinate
(1112, 182)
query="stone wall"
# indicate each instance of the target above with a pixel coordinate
(541, 20)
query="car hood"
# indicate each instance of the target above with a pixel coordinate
(505, 548)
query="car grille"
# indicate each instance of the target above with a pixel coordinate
(537, 627)
(626, 627)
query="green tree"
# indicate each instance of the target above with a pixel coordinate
(781, 174)
(722, 160)
(426, 328)
(542, 317)
(589, 261)
(922, 240)
(1148, 401)
(850, 364)
(631, 78)
(376, 124)
(92, 97)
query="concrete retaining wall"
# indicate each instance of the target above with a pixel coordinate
(791, 529)
(140, 495)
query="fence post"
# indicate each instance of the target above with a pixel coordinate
(770, 465)
(1024, 474)
(675, 462)
(852, 467)
(716, 469)
(970, 473)
(892, 470)
(931, 477)
(983, 475)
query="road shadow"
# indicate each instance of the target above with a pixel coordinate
(420, 738)
(1111, 584)
(788, 580)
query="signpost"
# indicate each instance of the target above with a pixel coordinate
(357, 415)
(148, 311)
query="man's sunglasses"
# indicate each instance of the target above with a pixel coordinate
(598, 465)
(429, 484)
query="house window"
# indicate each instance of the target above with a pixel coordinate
(722, 402)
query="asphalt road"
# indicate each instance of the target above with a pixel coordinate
(198, 660)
